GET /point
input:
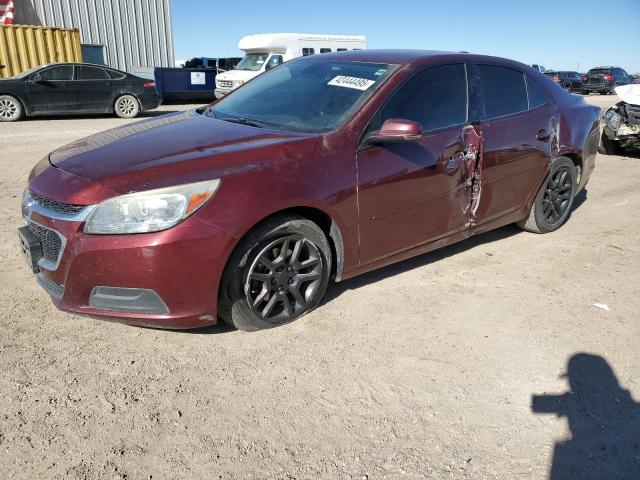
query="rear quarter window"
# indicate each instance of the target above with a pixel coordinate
(536, 95)
(504, 90)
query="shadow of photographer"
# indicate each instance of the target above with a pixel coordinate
(604, 421)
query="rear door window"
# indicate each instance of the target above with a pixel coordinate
(61, 73)
(308, 51)
(91, 73)
(504, 90)
(436, 98)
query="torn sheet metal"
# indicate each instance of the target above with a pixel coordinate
(473, 157)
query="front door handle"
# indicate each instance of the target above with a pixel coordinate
(542, 135)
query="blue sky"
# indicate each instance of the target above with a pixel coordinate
(555, 34)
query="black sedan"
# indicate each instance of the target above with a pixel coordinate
(570, 81)
(75, 88)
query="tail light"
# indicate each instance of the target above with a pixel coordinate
(149, 85)
(608, 78)
(556, 78)
(584, 78)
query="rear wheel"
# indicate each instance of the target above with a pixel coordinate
(10, 109)
(554, 200)
(127, 106)
(278, 273)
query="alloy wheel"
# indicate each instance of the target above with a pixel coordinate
(126, 106)
(557, 196)
(8, 109)
(284, 279)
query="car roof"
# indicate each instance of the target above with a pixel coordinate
(406, 57)
(81, 64)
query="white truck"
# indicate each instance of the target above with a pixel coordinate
(267, 50)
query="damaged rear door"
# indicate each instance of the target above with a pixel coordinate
(516, 127)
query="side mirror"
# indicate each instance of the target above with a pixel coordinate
(36, 78)
(396, 130)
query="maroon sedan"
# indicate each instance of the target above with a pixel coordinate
(324, 167)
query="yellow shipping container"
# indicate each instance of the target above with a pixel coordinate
(26, 46)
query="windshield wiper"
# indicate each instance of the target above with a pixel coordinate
(244, 121)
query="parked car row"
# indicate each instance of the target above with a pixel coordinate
(602, 80)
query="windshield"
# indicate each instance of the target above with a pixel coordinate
(598, 71)
(252, 62)
(307, 95)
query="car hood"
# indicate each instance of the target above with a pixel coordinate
(629, 93)
(238, 75)
(175, 149)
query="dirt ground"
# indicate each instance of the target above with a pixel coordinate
(425, 369)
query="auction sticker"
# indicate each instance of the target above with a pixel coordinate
(351, 82)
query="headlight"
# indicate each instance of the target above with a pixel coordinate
(612, 119)
(149, 211)
(237, 83)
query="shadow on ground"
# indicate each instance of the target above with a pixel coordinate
(604, 421)
(337, 289)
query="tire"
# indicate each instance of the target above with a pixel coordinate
(608, 146)
(585, 92)
(10, 109)
(552, 205)
(265, 284)
(568, 88)
(126, 106)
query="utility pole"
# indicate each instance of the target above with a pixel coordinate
(578, 69)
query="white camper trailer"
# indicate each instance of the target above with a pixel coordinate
(267, 50)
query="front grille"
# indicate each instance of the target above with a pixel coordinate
(633, 113)
(225, 83)
(50, 241)
(56, 206)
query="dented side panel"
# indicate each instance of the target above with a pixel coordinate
(473, 158)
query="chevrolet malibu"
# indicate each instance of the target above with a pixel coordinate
(323, 168)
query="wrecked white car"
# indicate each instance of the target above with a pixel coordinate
(622, 122)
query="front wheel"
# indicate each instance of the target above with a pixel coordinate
(127, 106)
(278, 273)
(554, 200)
(10, 109)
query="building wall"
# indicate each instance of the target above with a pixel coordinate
(133, 32)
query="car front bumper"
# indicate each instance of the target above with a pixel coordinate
(221, 92)
(165, 279)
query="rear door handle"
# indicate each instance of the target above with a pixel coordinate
(542, 135)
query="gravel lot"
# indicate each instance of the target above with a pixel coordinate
(425, 369)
